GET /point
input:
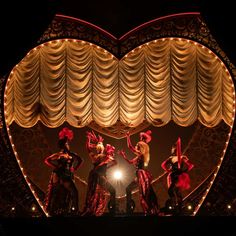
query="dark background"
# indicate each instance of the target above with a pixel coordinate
(23, 22)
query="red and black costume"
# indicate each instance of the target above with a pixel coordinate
(62, 194)
(177, 166)
(143, 180)
(98, 185)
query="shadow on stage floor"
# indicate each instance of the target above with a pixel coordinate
(106, 225)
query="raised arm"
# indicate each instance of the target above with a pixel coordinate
(189, 164)
(89, 145)
(165, 165)
(129, 144)
(132, 161)
(52, 160)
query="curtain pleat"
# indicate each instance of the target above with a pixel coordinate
(78, 82)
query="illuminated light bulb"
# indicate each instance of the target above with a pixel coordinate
(188, 41)
(170, 207)
(72, 208)
(189, 207)
(163, 39)
(195, 43)
(13, 208)
(33, 208)
(180, 39)
(171, 38)
(229, 206)
(155, 41)
(117, 175)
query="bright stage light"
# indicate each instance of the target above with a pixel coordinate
(117, 175)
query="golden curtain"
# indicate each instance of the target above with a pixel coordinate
(78, 82)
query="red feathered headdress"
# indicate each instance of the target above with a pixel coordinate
(110, 149)
(94, 138)
(66, 133)
(146, 135)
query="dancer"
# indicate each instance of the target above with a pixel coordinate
(98, 185)
(62, 194)
(143, 178)
(177, 166)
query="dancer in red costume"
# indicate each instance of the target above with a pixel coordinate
(62, 194)
(143, 178)
(177, 166)
(98, 185)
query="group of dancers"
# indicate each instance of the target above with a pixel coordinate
(62, 194)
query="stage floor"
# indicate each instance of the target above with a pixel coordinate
(119, 225)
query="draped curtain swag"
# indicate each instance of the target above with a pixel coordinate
(78, 82)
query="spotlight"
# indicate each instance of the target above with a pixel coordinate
(117, 175)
